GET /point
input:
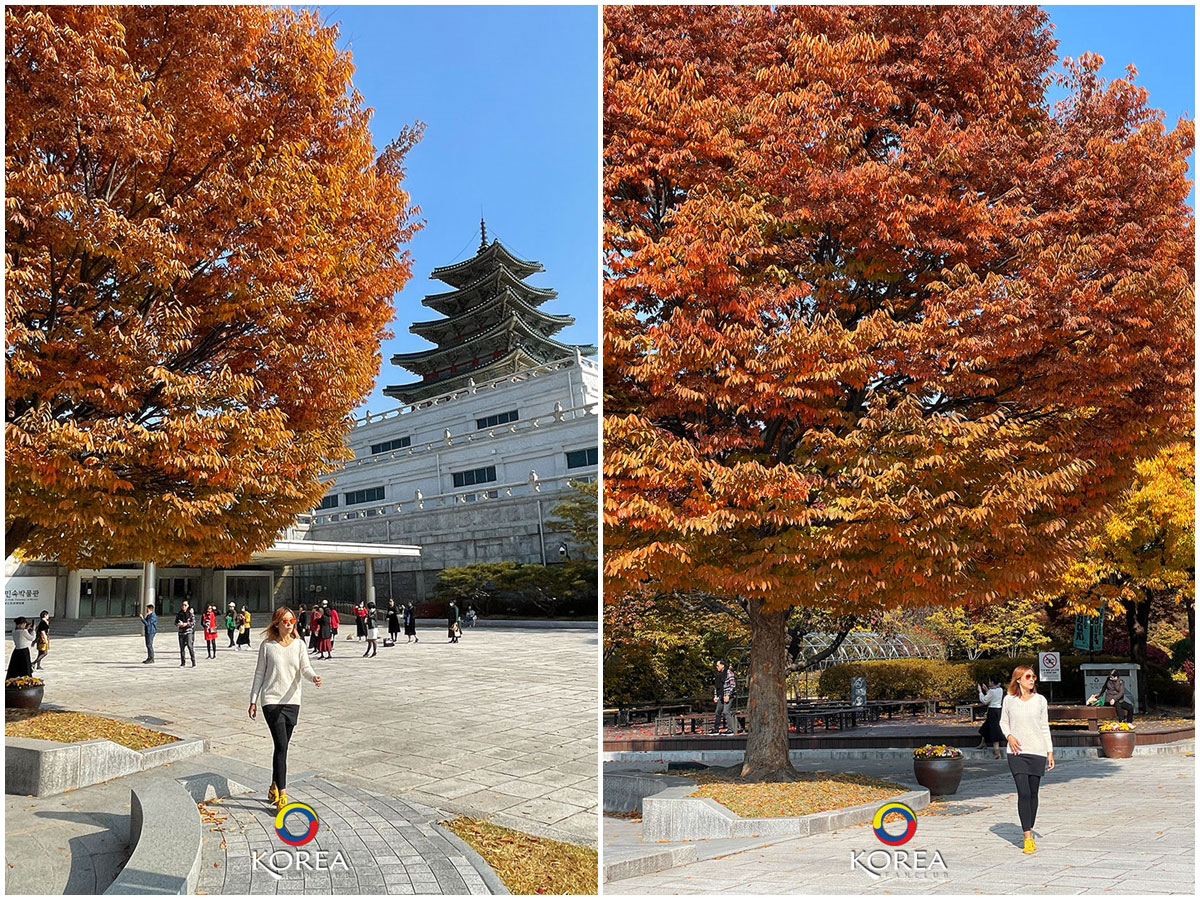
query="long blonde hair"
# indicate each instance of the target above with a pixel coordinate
(275, 629)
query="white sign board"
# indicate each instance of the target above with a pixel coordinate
(28, 595)
(1051, 667)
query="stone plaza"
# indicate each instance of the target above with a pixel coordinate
(1103, 826)
(500, 726)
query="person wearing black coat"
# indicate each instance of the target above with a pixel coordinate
(393, 621)
(452, 622)
(410, 623)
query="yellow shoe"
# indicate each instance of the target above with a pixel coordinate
(281, 801)
(1030, 847)
(272, 794)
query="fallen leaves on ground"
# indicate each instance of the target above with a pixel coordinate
(528, 864)
(71, 727)
(810, 792)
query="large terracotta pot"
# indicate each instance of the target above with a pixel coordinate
(24, 698)
(941, 776)
(1118, 744)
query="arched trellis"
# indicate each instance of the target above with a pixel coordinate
(868, 645)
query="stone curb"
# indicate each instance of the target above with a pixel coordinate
(673, 815)
(43, 768)
(489, 876)
(625, 792)
(733, 757)
(648, 862)
(168, 860)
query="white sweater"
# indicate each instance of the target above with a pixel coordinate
(277, 677)
(1029, 722)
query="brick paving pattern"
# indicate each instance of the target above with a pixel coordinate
(389, 846)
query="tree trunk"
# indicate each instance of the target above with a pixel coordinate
(16, 533)
(1137, 622)
(766, 714)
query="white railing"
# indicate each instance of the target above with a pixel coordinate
(569, 362)
(474, 494)
(520, 426)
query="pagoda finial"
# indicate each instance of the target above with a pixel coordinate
(482, 235)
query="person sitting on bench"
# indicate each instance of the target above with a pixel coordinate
(1113, 694)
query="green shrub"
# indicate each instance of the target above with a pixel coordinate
(902, 679)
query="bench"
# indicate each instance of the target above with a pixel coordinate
(974, 710)
(915, 707)
(1093, 714)
(650, 712)
(805, 721)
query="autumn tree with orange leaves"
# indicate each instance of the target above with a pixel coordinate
(201, 246)
(883, 328)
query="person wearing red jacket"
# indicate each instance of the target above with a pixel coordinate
(210, 631)
(360, 620)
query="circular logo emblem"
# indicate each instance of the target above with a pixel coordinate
(910, 827)
(304, 812)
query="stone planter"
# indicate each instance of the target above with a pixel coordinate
(1118, 744)
(24, 698)
(940, 776)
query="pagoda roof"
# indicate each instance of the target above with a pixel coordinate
(514, 361)
(441, 331)
(509, 333)
(451, 303)
(467, 271)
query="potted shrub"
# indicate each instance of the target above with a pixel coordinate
(938, 768)
(23, 693)
(1118, 739)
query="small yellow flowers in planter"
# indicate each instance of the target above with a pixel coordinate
(1110, 727)
(937, 751)
(17, 684)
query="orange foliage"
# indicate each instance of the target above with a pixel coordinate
(201, 250)
(881, 326)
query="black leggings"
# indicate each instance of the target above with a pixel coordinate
(281, 720)
(1027, 798)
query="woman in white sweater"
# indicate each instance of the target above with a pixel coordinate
(282, 661)
(1025, 721)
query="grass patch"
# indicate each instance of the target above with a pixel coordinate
(811, 792)
(71, 727)
(528, 864)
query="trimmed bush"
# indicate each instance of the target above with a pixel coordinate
(902, 679)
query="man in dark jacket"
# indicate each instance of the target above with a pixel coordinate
(185, 622)
(150, 629)
(1114, 695)
(723, 688)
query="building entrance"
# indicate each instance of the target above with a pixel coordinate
(105, 596)
(172, 591)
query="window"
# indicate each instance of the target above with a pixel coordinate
(364, 496)
(474, 476)
(499, 419)
(577, 459)
(329, 501)
(395, 444)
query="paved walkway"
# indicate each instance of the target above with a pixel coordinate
(1104, 826)
(389, 846)
(501, 725)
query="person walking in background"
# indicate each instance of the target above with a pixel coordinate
(314, 628)
(231, 622)
(244, 629)
(410, 623)
(360, 621)
(393, 615)
(452, 623)
(210, 631)
(185, 624)
(42, 638)
(325, 632)
(19, 665)
(723, 689)
(334, 622)
(149, 630)
(989, 732)
(302, 623)
(1025, 722)
(372, 630)
(282, 662)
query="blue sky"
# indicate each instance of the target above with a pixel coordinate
(509, 97)
(1160, 41)
(510, 100)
